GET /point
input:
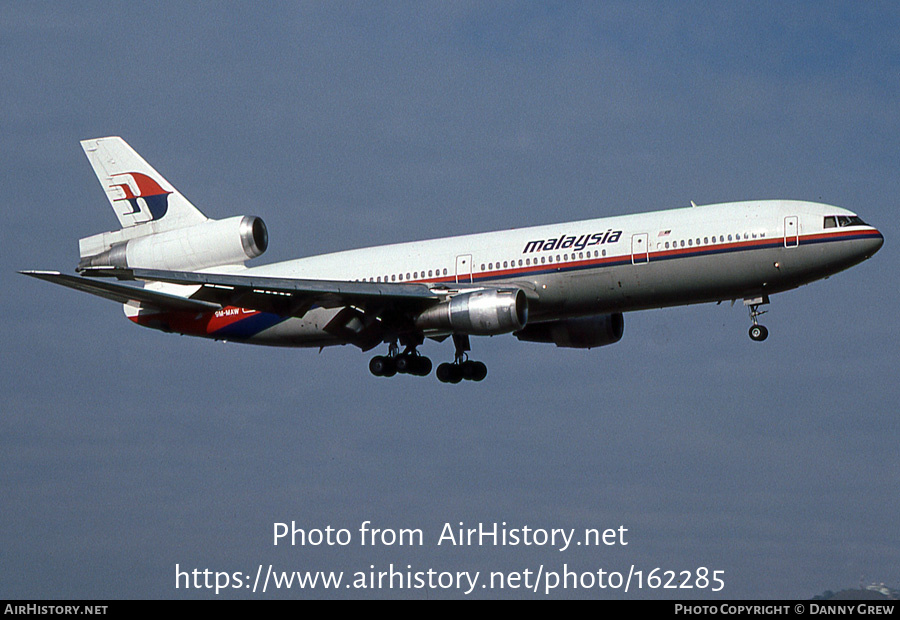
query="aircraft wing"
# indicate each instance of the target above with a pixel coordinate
(125, 294)
(286, 296)
(367, 309)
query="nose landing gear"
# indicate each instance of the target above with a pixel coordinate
(758, 332)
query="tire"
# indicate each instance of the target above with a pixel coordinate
(479, 371)
(405, 364)
(758, 333)
(390, 367)
(422, 367)
(443, 372)
(377, 366)
(474, 371)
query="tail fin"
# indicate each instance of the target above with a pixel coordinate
(136, 191)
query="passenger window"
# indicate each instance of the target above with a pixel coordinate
(505, 264)
(445, 271)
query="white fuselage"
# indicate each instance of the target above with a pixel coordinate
(616, 264)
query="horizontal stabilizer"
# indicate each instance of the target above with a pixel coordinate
(124, 293)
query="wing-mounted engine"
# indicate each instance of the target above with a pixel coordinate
(479, 313)
(580, 333)
(209, 244)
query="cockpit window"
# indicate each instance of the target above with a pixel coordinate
(850, 220)
(834, 221)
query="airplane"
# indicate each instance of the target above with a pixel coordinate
(567, 284)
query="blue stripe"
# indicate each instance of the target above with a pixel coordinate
(249, 327)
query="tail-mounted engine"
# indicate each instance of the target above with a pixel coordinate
(480, 313)
(210, 244)
(580, 333)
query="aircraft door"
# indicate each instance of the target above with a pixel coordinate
(639, 248)
(791, 231)
(464, 268)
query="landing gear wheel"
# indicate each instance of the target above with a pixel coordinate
(449, 373)
(382, 366)
(423, 366)
(474, 371)
(405, 363)
(462, 367)
(758, 333)
(377, 365)
(413, 364)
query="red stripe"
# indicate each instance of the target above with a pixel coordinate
(195, 324)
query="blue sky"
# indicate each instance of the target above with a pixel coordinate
(124, 451)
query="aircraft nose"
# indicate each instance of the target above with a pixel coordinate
(877, 241)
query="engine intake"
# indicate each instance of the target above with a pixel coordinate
(480, 313)
(584, 332)
(210, 244)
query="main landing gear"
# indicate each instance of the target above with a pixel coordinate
(757, 332)
(411, 362)
(462, 367)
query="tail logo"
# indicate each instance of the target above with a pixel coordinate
(149, 194)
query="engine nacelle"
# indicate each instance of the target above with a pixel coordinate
(584, 332)
(210, 244)
(480, 313)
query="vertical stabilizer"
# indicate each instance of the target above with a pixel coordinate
(138, 193)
